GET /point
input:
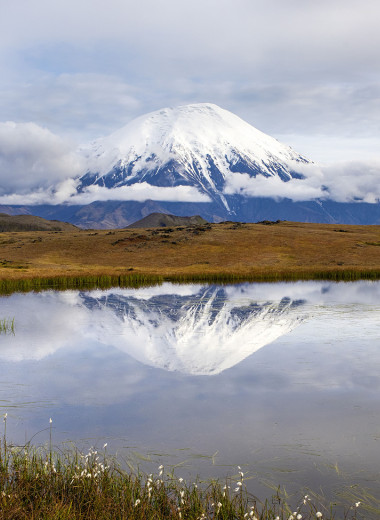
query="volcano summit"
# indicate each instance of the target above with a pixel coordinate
(199, 145)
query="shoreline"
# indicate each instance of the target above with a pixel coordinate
(9, 286)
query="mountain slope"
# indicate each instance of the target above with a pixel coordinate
(199, 145)
(30, 223)
(164, 220)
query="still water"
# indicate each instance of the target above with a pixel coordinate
(282, 379)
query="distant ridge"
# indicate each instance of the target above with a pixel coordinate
(31, 223)
(164, 220)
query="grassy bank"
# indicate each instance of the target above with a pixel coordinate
(46, 484)
(225, 252)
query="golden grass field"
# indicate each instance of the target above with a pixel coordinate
(251, 251)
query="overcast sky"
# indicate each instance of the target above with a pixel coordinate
(307, 73)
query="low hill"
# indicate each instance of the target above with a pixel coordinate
(31, 223)
(163, 220)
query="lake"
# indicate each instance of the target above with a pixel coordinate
(282, 379)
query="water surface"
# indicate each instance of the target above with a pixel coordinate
(282, 379)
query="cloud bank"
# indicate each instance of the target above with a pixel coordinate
(33, 158)
(342, 182)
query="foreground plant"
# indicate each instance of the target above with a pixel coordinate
(39, 483)
(7, 326)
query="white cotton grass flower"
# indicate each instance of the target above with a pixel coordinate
(318, 514)
(105, 445)
(357, 504)
(137, 502)
(50, 420)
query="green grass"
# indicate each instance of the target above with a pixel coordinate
(43, 483)
(62, 283)
(7, 326)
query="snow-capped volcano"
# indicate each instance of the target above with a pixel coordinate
(198, 145)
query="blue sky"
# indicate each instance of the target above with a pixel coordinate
(307, 73)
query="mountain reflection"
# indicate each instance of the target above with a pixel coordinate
(194, 329)
(201, 334)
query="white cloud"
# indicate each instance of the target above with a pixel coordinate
(349, 181)
(295, 189)
(33, 158)
(65, 193)
(140, 192)
(341, 182)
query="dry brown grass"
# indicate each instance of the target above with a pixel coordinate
(245, 250)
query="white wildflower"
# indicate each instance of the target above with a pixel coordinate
(318, 514)
(357, 504)
(137, 502)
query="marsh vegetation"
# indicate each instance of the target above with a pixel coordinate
(38, 483)
(7, 326)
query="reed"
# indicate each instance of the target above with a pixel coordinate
(106, 281)
(7, 326)
(62, 283)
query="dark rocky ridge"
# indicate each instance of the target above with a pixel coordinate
(31, 223)
(165, 220)
(119, 214)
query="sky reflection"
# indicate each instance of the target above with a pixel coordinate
(303, 392)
